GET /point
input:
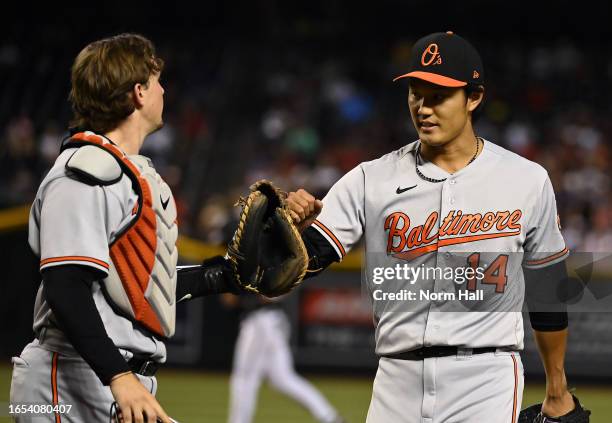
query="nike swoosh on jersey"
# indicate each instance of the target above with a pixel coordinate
(164, 203)
(401, 190)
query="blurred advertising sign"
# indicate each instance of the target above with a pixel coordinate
(335, 306)
(333, 323)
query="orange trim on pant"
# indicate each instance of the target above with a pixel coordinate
(74, 258)
(58, 418)
(332, 236)
(515, 388)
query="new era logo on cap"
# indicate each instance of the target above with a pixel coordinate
(446, 59)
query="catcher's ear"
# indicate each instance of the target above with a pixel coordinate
(138, 95)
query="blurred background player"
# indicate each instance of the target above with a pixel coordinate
(262, 353)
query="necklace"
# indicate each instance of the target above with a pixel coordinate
(428, 179)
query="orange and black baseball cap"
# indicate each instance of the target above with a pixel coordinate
(446, 59)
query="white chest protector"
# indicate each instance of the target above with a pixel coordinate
(141, 282)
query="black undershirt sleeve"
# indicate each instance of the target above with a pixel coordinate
(544, 296)
(320, 251)
(67, 290)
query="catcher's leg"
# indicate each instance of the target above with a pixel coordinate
(247, 370)
(45, 377)
(281, 372)
(481, 387)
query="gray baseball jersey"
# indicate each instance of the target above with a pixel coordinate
(498, 206)
(72, 222)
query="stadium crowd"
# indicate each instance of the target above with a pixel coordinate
(304, 116)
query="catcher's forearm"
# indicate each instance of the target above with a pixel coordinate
(551, 346)
(213, 276)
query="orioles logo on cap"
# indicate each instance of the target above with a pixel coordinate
(431, 56)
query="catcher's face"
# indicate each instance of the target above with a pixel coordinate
(440, 114)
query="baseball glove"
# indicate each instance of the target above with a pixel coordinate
(267, 252)
(534, 414)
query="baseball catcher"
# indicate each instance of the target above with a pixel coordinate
(267, 252)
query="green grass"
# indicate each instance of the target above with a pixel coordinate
(186, 395)
(191, 396)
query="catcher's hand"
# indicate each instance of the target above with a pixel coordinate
(534, 414)
(267, 252)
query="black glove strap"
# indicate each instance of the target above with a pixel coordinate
(213, 276)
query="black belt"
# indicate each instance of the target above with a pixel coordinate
(439, 351)
(142, 366)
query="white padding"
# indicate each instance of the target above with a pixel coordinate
(164, 311)
(115, 290)
(95, 162)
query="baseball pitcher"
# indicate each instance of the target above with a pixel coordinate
(447, 196)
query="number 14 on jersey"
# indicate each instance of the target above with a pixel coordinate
(495, 274)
